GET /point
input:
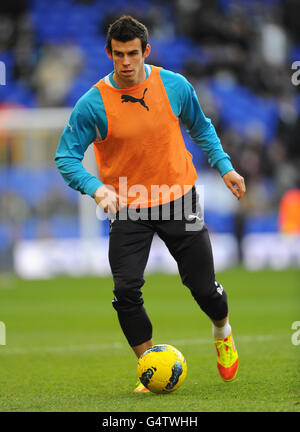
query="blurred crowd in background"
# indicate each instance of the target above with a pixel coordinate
(238, 54)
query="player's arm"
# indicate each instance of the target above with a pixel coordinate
(204, 135)
(79, 132)
(75, 139)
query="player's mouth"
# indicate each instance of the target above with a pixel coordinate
(127, 72)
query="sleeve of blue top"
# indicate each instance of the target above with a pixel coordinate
(185, 104)
(75, 139)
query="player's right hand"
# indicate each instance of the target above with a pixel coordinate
(107, 198)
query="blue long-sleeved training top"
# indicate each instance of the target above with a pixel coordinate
(88, 121)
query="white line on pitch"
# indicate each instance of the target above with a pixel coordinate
(117, 345)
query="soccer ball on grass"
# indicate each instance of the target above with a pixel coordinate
(162, 369)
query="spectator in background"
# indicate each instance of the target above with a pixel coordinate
(17, 39)
(289, 212)
(291, 13)
(55, 72)
(10, 13)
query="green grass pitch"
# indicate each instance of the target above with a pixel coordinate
(65, 350)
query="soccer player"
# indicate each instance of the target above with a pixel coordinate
(147, 182)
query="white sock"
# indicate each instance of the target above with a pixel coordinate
(222, 332)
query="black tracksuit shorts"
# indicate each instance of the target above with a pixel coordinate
(180, 225)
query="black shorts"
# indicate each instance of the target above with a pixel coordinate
(182, 229)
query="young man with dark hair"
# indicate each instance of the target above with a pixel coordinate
(125, 29)
(132, 116)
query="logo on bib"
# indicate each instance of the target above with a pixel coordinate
(129, 98)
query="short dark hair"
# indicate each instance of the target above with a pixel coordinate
(125, 29)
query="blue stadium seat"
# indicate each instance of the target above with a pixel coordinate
(64, 227)
(198, 155)
(219, 222)
(28, 183)
(295, 53)
(8, 59)
(262, 223)
(240, 109)
(297, 102)
(35, 184)
(18, 93)
(163, 51)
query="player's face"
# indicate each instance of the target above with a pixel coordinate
(128, 62)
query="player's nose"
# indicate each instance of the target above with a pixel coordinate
(126, 61)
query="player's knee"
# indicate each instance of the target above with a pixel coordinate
(214, 303)
(127, 299)
(216, 309)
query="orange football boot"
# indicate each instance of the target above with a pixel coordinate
(140, 388)
(227, 357)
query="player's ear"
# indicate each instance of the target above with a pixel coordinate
(147, 51)
(108, 52)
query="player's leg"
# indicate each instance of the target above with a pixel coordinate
(193, 254)
(129, 248)
(188, 241)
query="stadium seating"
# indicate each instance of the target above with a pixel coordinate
(241, 109)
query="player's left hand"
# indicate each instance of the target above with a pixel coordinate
(235, 183)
